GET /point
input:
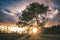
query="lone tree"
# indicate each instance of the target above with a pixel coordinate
(33, 10)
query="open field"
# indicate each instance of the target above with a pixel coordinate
(23, 37)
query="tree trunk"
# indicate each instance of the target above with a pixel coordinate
(37, 18)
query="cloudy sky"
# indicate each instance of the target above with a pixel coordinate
(10, 10)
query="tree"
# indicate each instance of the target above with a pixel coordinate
(33, 10)
(53, 30)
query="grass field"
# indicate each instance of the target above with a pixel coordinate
(26, 37)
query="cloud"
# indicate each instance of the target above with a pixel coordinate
(57, 18)
(57, 2)
(13, 6)
(5, 18)
(53, 21)
(7, 10)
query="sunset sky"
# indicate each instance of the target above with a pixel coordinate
(11, 9)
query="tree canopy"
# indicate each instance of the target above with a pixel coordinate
(33, 10)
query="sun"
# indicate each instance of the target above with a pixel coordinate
(34, 30)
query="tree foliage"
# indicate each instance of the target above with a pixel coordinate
(33, 10)
(52, 30)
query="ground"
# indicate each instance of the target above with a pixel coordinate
(4, 36)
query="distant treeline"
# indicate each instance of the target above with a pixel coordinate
(52, 30)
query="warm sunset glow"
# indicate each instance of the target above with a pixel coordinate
(56, 11)
(20, 30)
(34, 30)
(13, 29)
(51, 16)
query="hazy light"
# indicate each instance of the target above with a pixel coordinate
(51, 16)
(56, 11)
(20, 30)
(13, 29)
(34, 30)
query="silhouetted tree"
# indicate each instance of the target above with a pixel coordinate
(53, 30)
(33, 10)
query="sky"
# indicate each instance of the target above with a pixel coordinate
(11, 9)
